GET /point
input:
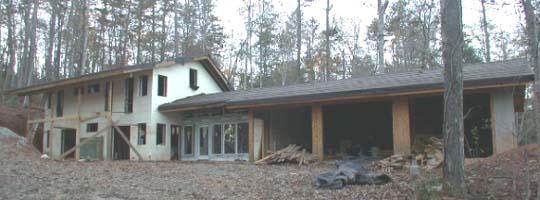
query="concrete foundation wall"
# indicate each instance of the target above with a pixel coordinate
(503, 120)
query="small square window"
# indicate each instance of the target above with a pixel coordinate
(92, 127)
(93, 88)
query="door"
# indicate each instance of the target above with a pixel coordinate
(175, 142)
(188, 142)
(69, 137)
(203, 145)
(120, 147)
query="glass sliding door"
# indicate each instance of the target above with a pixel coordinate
(188, 140)
(243, 141)
(203, 142)
(230, 138)
(217, 140)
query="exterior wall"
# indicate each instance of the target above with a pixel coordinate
(503, 120)
(177, 88)
(144, 108)
(95, 102)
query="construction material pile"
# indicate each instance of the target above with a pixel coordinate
(289, 154)
(428, 154)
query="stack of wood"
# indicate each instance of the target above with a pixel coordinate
(289, 154)
(430, 155)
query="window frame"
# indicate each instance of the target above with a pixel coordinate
(90, 127)
(145, 136)
(93, 88)
(161, 134)
(143, 85)
(184, 146)
(162, 85)
(128, 95)
(193, 79)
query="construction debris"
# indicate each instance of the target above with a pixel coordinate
(289, 154)
(348, 172)
(428, 154)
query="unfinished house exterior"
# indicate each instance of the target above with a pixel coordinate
(375, 115)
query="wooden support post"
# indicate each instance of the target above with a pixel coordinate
(401, 126)
(126, 140)
(266, 135)
(109, 118)
(317, 134)
(78, 129)
(250, 136)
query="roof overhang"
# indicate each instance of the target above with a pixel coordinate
(208, 63)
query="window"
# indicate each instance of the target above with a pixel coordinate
(162, 86)
(49, 100)
(107, 86)
(217, 139)
(188, 140)
(229, 138)
(193, 79)
(94, 88)
(60, 103)
(141, 134)
(128, 102)
(243, 142)
(160, 134)
(92, 127)
(143, 85)
(203, 141)
(76, 91)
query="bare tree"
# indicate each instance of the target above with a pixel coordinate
(381, 7)
(327, 35)
(452, 52)
(532, 42)
(486, 32)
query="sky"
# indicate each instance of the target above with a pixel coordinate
(504, 14)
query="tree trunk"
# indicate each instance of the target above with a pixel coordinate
(49, 70)
(299, 43)
(532, 49)
(327, 43)
(486, 32)
(452, 45)
(12, 46)
(381, 7)
(83, 50)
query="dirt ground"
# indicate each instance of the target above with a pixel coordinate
(23, 175)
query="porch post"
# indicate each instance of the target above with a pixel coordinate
(317, 131)
(250, 136)
(401, 126)
(503, 120)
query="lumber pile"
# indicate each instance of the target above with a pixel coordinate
(290, 154)
(429, 155)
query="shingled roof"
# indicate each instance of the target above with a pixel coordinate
(206, 61)
(496, 73)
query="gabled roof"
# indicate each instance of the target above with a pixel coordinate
(488, 74)
(208, 63)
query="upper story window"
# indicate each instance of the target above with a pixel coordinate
(94, 88)
(143, 85)
(193, 79)
(60, 103)
(128, 90)
(92, 127)
(162, 86)
(49, 100)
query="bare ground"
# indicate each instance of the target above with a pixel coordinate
(25, 176)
